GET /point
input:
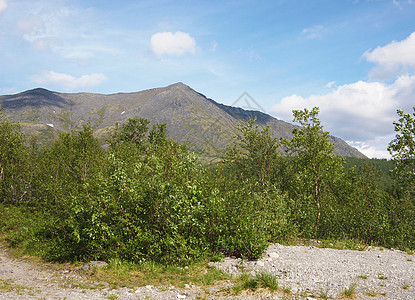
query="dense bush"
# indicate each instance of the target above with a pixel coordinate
(14, 163)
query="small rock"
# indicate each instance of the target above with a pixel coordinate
(273, 255)
(181, 296)
(92, 264)
(260, 263)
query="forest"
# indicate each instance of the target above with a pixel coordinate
(143, 197)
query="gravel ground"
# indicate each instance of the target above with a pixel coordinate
(307, 271)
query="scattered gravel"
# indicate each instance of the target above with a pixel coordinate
(307, 271)
(377, 273)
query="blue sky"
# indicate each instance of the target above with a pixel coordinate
(355, 59)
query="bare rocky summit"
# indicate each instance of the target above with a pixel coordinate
(307, 271)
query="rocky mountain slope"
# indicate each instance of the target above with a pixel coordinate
(203, 124)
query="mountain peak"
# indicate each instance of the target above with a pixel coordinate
(179, 85)
(41, 91)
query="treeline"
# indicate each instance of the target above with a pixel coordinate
(145, 197)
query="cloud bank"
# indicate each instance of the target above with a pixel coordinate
(3, 5)
(396, 58)
(68, 82)
(168, 43)
(360, 109)
(363, 112)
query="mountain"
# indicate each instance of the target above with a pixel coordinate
(203, 124)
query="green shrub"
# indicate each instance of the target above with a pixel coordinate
(14, 164)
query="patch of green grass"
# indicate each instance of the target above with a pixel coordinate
(286, 290)
(347, 244)
(125, 274)
(243, 282)
(363, 276)
(371, 293)
(6, 286)
(112, 297)
(405, 286)
(381, 276)
(210, 277)
(323, 294)
(267, 280)
(264, 280)
(350, 291)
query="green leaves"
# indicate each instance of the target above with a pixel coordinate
(255, 153)
(148, 198)
(314, 168)
(14, 161)
(402, 149)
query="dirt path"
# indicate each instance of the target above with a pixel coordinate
(306, 271)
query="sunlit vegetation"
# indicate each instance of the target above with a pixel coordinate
(145, 198)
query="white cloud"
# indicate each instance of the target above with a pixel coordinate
(396, 58)
(66, 31)
(359, 111)
(68, 82)
(330, 84)
(30, 25)
(3, 5)
(214, 46)
(46, 43)
(314, 32)
(34, 30)
(363, 112)
(370, 150)
(399, 4)
(170, 43)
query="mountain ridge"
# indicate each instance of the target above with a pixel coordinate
(192, 118)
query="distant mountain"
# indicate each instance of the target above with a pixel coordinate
(203, 124)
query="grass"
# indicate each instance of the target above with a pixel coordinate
(267, 280)
(286, 290)
(363, 276)
(264, 280)
(371, 293)
(381, 276)
(350, 291)
(6, 286)
(125, 274)
(405, 286)
(245, 281)
(323, 294)
(347, 244)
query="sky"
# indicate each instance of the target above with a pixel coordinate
(354, 59)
